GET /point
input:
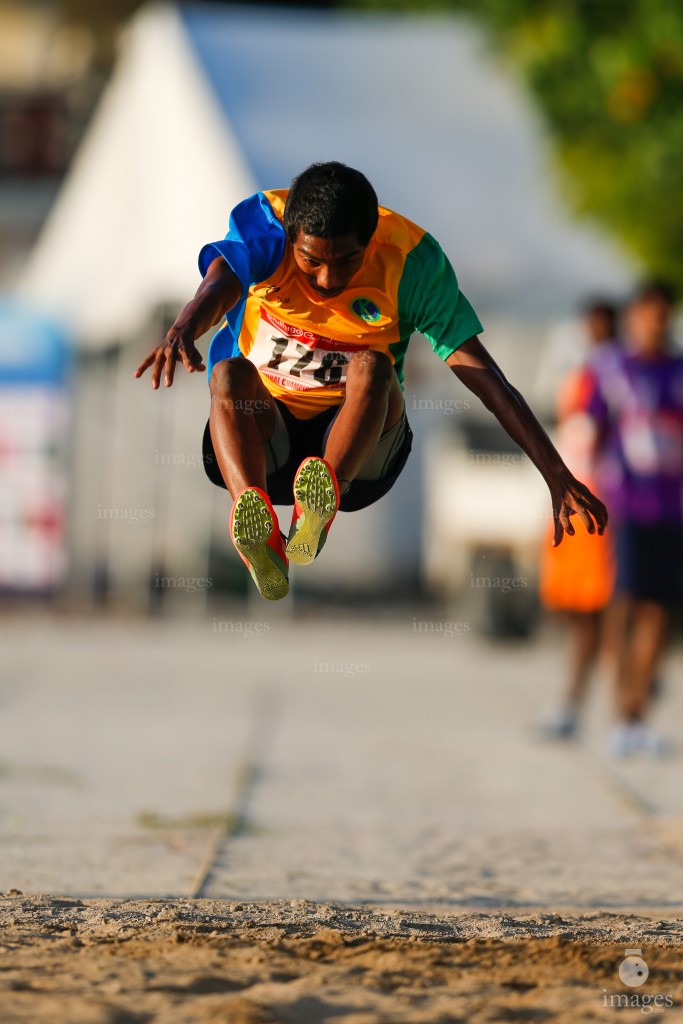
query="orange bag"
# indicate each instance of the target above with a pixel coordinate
(578, 575)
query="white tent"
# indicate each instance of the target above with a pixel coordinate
(150, 182)
(209, 103)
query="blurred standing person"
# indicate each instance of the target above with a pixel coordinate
(636, 403)
(578, 584)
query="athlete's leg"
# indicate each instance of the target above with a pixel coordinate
(617, 628)
(645, 646)
(242, 419)
(365, 438)
(584, 645)
(373, 404)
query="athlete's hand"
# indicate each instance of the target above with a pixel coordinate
(570, 497)
(177, 345)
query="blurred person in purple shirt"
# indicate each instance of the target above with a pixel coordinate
(636, 402)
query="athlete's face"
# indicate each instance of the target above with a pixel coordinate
(328, 264)
(648, 323)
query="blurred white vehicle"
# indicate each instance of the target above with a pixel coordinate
(486, 510)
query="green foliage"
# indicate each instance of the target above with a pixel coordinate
(608, 75)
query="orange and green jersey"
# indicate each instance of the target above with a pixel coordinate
(301, 342)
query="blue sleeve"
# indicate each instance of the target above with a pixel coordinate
(253, 249)
(254, 244)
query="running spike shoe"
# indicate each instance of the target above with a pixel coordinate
(316, 500)
(255, 532)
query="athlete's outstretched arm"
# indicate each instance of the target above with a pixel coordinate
(216, 295)
(474, 366)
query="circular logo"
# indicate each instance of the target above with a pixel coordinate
(366, 310)
(633, 971)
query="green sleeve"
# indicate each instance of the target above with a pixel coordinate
(430, 301)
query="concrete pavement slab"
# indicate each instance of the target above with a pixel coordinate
(322, 757)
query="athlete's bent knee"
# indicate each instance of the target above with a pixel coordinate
(371, 369)
(232, 377)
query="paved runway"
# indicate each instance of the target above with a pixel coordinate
(338, 758)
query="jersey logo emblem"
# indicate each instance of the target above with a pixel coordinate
(366, 310)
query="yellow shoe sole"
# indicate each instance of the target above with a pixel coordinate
(314, 492)
(252, 525)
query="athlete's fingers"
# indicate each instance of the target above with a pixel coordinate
(586, 518)
(576, 500)
(194, 360)
(600, 515)
(186, 358)
(567, 524)
(558, 534)
(171, 360)
(197, 361)
(563, 523)
(191, 358)
(146, 363)
(159, 361)
(592, 511)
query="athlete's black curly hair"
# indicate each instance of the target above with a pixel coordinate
(328, 200)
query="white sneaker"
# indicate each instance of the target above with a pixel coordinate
(651, 742)
(562, 725)
(624, 741)
(637, 738)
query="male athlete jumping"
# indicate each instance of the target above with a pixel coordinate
(318, 290)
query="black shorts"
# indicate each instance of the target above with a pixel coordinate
(309, 437)
(650, 562)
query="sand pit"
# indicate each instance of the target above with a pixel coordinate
(295, 962)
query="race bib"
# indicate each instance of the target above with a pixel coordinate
(653, 443)
(298, 359)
